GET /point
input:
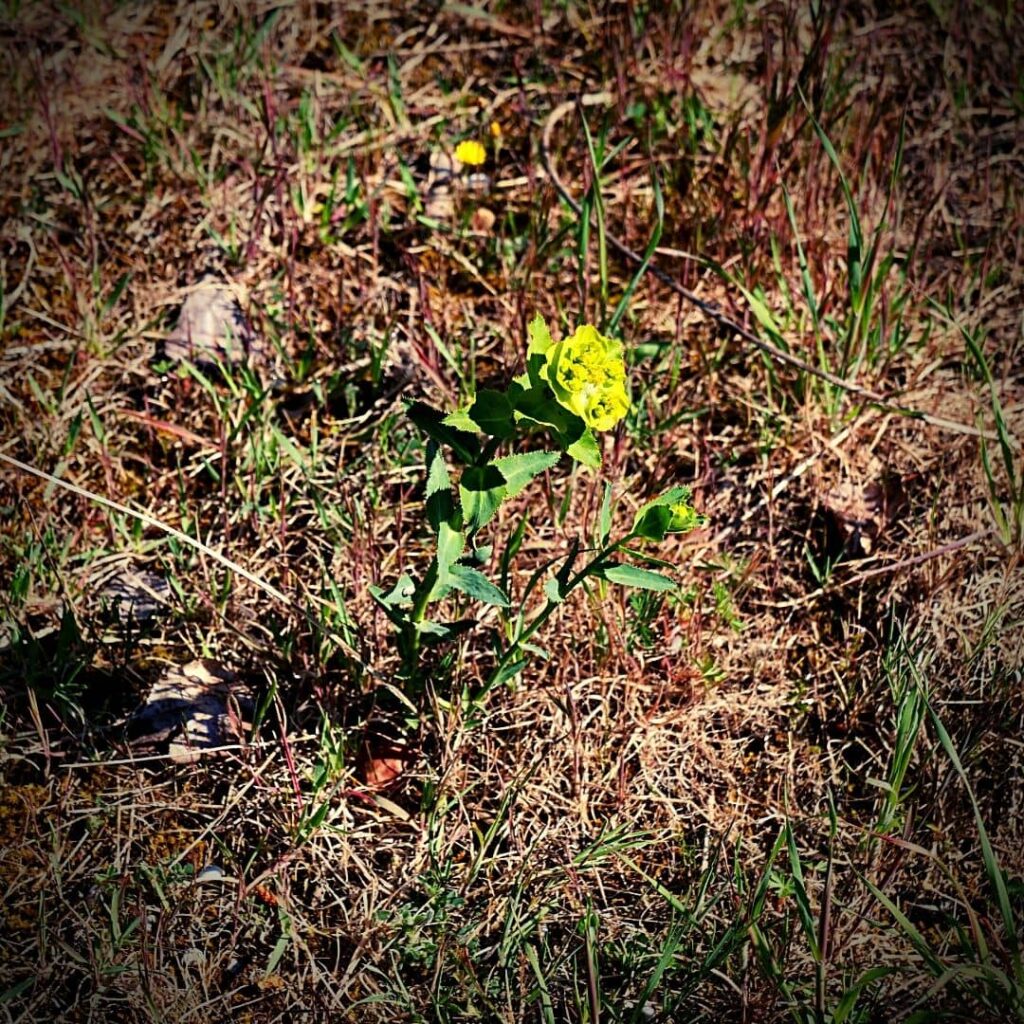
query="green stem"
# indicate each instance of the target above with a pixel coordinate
(417, 615)
(488, 452)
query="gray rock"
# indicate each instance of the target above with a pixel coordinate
(136, 597)
(211, 327)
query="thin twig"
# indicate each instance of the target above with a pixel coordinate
(906, 563)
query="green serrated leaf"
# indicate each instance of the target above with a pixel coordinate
(492, 412)
(481, 490)
(655, 519)
(653, 524)
(400, 594)
(633, 576)
(537, 405)
(518, 470)
(437, 471)
(433, 629)
(431, 422)
(440, 506)
(392, 611)
(438, 631)
(534, 377)
(450, 545)
(540, 336)
(461, 420)
(474, 583)
(585, 450)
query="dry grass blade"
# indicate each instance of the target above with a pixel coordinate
(871, 397)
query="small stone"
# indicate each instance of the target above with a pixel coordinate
(478, 183)
(211, 873)
(438, 203)
(193, 958)
(211, 327)
(134, 597)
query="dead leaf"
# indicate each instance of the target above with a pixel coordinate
(862, 511)
(482, 220)
(383, 762)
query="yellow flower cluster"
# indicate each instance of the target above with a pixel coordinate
(587, 373)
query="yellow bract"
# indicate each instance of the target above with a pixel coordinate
(470, 152)
(684, 517)
(587, 374)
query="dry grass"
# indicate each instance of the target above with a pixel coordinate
(609, 820)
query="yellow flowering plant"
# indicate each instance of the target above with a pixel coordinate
(572, 390)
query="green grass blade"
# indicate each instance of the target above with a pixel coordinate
(598, 201)
(547, 1007)
(1006, 444)
(652, 244)
(668, 952)
(992, 868)
(935, 965)
(805, 270)
(803, 903)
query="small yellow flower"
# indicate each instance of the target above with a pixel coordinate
(606, 407)
(495, 129)
(470, 152)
